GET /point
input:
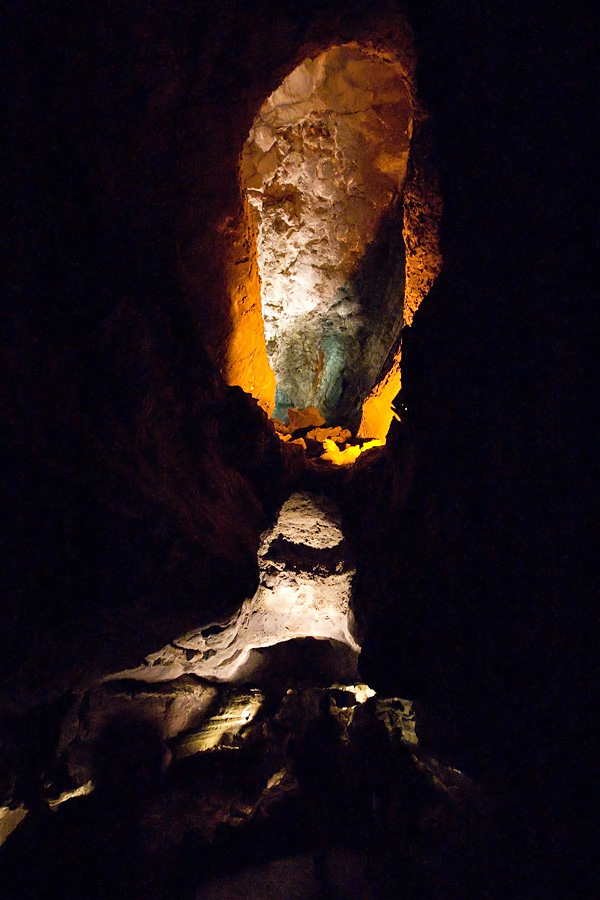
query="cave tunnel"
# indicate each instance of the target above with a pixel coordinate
(228, 666)
(325, 159)
(324, 170)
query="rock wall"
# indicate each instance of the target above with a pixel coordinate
(127, 489)
(325, 169)
(326, 157)
(129, 502)
(482, 504)
(304, 592)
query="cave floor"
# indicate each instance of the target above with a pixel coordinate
(297, 803)
(246, 760)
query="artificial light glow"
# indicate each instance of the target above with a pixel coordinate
(81, 791)
(325, 159)
(378, 408)
(325, 162)
(229, 721)
(362, 692)
(349, 455)
(246, 363)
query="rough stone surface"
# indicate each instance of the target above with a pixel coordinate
(422, 206)
(303, 418)
(339, 435)
(304, 591)
(167, 505)
(125, 127)
(173, 706)
(237, 810)
(9, 820)
(326, 157)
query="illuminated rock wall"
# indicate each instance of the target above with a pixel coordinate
(422, 204)
(246, 362)
(305, 587)
(121, 524)
(325, 159)
(134, 485)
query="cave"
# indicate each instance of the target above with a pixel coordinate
(340, 262)
(297, 451)
(325, 159)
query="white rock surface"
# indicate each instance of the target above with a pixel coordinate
(304, 591)
(9, 820)
(325, 158)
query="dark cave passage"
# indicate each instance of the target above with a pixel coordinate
(219, 211)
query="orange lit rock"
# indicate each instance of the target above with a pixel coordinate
(325, 159)
(422, 215)
(377, 411)
(246, 363)
(349, 455)
(280, 428)
(329, 154)
(338, 435)
(304, 418)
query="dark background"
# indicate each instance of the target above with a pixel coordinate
(131, 505)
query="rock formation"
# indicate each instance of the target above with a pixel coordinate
(326, 157)
(304, 591)
(136, 483)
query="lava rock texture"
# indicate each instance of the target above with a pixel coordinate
(127, 514)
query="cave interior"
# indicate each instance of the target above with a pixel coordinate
(296, 457)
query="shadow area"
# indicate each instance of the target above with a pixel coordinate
(99, 846)
(322, 798)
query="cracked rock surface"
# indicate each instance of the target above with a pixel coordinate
(326, 157)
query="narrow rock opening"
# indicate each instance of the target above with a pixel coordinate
(325, 170)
